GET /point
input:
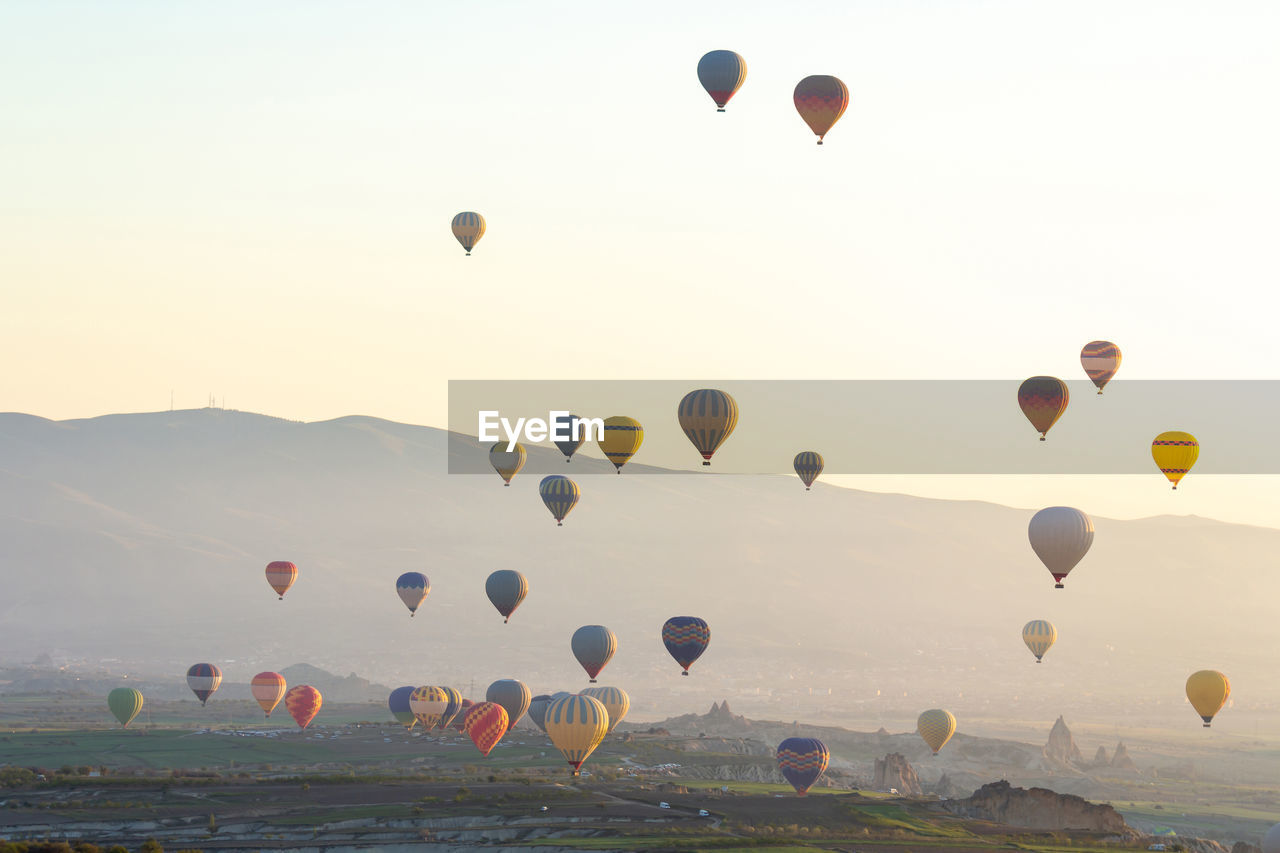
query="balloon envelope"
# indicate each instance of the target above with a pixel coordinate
(707, 417)
(485, 724)
(507, 462)
(576, 725)
(303, 703)
(413, 588)
(428, 705)
(808, 466)
(802, 761)
(615, 701)
(1060, 536)
(281, 574)
(398, 704)
(537, 710)
(593, 646)
(1043, 399)
(566, 425)
(1271, 841)
(512, 695)
(821, 99)
(268, 688)
(506, 589)
(124, 704)
(1039, 635)
(453, 709)
(560, 494)
(1207, 690)
(203, 679)
(622, 438)
(722, 73)
(468, 228)
(1100, 360)
(936, 726)
(686, 638)
(1175, 452)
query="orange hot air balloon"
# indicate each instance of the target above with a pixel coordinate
(1101, 360)
(1043, 399)
(303, 703)
(821, 99)
(281, 574)
(485, 723)
(268, 689)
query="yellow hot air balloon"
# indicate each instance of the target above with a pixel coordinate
(936, 726)
(821, 99)
(576, 725)
(621, 439)
(615, 701)
(1175, 452)
(707, 417)
(507, 463)
(468, 228)
(1039, 635)
(1208, 690)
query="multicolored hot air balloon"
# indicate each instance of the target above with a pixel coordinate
(722, 73)
(576, 725)
(615, 701)
(686, 638)
(936, 726)
(707, 417)
(808, 465)
(1207, 691)
(1175, 452)
(281, 574)
(1060, 536)
(303, 703)
(512, 695)
(413, 588)
(468, 228)
(622, 438)
(485, 723)
(821, 99)
(593, 646)
(268, 688)
(1039, 635)
(802, 761)
(1101, 360)
(572, 426)
(398, 704)
(506, 589)
(203, 679)
(507, 462)
(560, 494)
(452, 708)
(1043, 399)
(428, 705)
(124, 704)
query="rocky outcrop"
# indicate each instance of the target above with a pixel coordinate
(721, 714)
(893, 771)
(1039, 808)
(1061, 748)
(1121, 760)
(1245, 847)
(1100, 758)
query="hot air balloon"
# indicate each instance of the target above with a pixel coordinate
(398, 704)
(124, 704)
(538, 710)
(707, 417)
(413, 587)
(506, 589)
(576, 725)
(1101, 360)
(808, 465)
(622, 438)
(268, 689)
(1208, 690)
(821, 99)
(485, 723)
(1060, 536)
(686, 638)
(1039, 635)
(452, 708)
(1175, 452)
(593, 646)
(560, 494)
(459, 724)
(203, 679)
(428, 705)
(1271, 841)
(615, 701)
(468, 228)
(303, 703)
(936, 726)
(722, 73)
(1043, 400)
(507, 463)
(512, 695)
(802, 761)
(281, 574)
(565, 425)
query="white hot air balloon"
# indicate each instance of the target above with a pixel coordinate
(1060, 536)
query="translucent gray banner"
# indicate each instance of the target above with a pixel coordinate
(885, 427)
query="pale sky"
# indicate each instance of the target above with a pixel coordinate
(253, 200)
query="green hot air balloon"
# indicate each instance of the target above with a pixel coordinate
(125, 703)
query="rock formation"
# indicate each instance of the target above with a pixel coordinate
(1121, 760)
(1245, 847)
(893, 771)
(1100, 758)
(1038, 808)
(1061, 748)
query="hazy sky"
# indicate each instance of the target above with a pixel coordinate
(253, 200)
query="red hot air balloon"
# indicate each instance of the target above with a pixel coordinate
(281, 574)
(303, 703)
(821, 99)
(1043, 399)
(486, 723)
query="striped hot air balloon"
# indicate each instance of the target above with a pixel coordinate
(576, 432)
(459, 723)
(512, 695)
(622, 438)
(1039, 635)
(1043, 399)
(203, 679)
(576, 725)
(802, 761)
(124, 704)
(468, 228)
(686, 638)
(485, 723)
(1060, 536)
(428, 705)
(1101, 360)
(281, 574)
(593, 646)
(615, 701)
(821, 99)
(268, 688)
(722, 73)
(707, 417)
(538, 710)
(303, 703)
(808, 466)
(453, 708)
(398, 705)
(936, 726)
(1175, 453)
(1207, 691)
(506, 589)
(413, 588)
(507, 462)
(560, 494)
